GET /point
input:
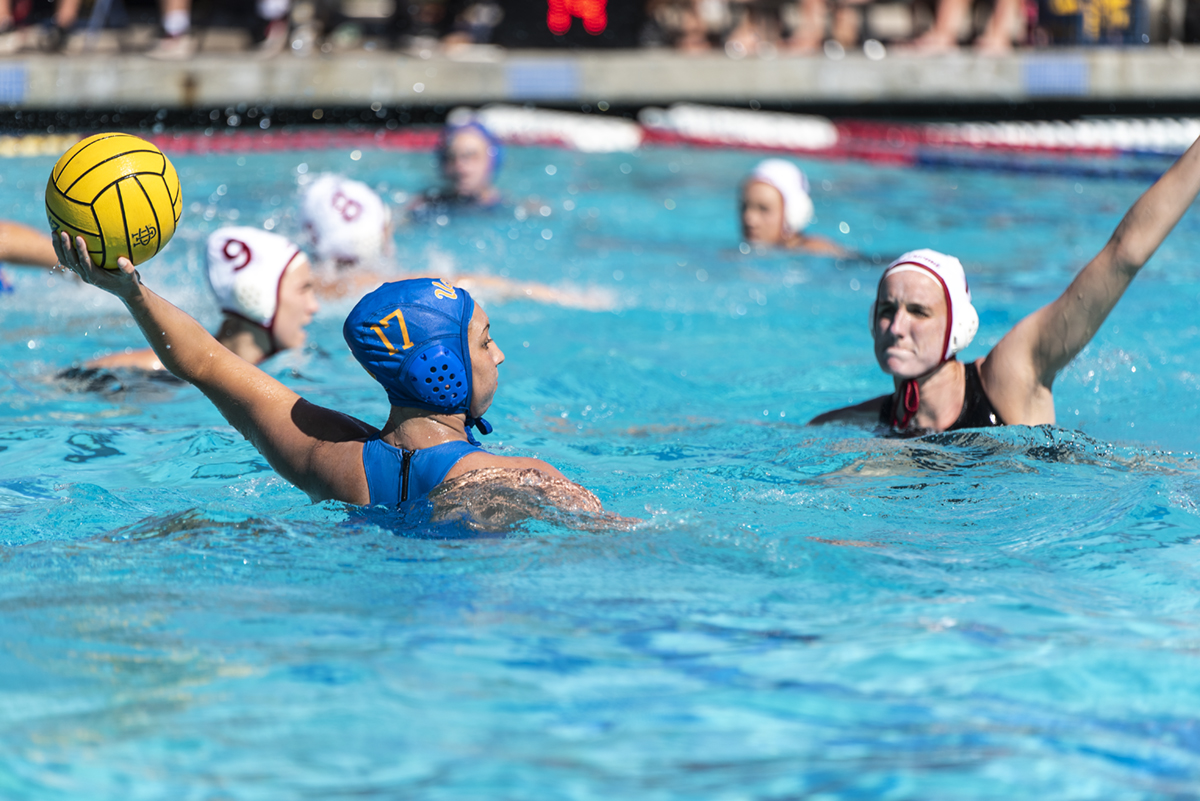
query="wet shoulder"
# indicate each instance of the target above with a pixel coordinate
(500, 498)
(865, 413)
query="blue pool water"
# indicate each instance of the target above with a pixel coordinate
(803, 612)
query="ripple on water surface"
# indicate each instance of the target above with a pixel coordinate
(800, 611)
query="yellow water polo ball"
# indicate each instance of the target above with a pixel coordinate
(120, 193)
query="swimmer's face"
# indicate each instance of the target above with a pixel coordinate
(910, 324)
(467, 163)
(762, 214)
(486, 356)
(297, 305)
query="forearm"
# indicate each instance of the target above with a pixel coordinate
(249, 401)
(1152, 217)
(20, 244)
(245, 396)
(139, 360)
(182, 345)
(314, 448)
(1052, 336)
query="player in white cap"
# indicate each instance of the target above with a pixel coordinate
(348, 223)
(776, 208)
(264, 286)
(922, 317)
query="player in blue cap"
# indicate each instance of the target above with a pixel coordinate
(423, 339)
(469, 156)
(431, 349)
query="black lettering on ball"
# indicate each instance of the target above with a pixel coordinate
(144, 235)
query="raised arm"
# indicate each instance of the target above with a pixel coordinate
(22, 245)
(1019, 371)
(312, 447)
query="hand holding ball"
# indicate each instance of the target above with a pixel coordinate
(118, 192)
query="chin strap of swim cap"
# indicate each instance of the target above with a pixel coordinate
(484, 427)
(274, 345)
(902, 413)
(910, 399)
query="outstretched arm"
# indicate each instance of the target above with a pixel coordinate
(1019, 371)
(312, 447)
(22, 245)
(487, 287)
(496, 288)
(143, 359)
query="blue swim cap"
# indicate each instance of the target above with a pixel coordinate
(411, 336)
(495, 148)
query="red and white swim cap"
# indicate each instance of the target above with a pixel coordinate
(245, 268)
(792, 185)
(346, 219)
(962, 320)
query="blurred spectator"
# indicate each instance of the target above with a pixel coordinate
(692, 26)
(1092, 22)
(66, 13)
(952, 23)
(351, 24)
(743, 28)
(810, 25)
(471, 23)
(270, 27)
(758, 27)
(177, 41)
(274, 13)
(953, 18)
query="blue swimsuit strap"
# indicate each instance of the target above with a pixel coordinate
(395, 475)
(432, 464)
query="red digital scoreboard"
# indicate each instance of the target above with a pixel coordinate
(592, 13)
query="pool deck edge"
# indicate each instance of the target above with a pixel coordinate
(619, 77)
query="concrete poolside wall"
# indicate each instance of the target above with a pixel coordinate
(629, 78)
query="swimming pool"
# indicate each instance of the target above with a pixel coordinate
(1019, 619)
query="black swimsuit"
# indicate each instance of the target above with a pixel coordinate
(977, 410)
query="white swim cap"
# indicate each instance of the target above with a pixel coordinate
(245, 268)
(962, 321)
(787, 178)
(346, 219)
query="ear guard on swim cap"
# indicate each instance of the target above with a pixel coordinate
(962, 321)
(411, 337)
